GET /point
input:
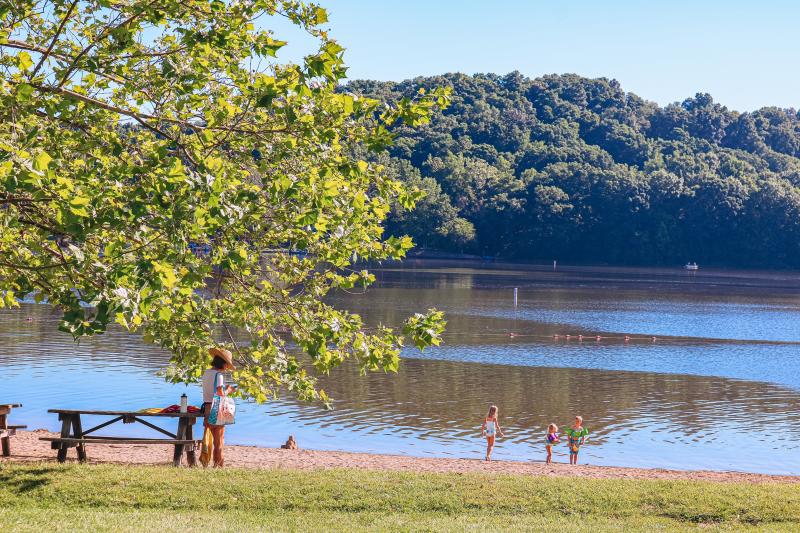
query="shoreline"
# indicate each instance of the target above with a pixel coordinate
(546, 264)
(734, 276)
(26, 447)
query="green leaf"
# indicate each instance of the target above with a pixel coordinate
(77, 206)
(320, 15)
(42, 161)
(121, 320)
(267, 96)
(24, 93)
(166, 274)
(24, 61)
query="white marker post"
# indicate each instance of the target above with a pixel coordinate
(515, 296)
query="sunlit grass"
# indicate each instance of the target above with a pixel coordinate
(51, 497)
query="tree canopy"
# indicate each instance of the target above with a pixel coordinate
(160, 168)
(578, 169)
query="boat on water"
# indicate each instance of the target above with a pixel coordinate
(691, 266)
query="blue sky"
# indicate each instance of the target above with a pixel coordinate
(746, 54)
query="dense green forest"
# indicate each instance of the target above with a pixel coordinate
(578, 169)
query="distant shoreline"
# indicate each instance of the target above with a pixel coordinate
(547, 264)
(26, 447)
(568, 273)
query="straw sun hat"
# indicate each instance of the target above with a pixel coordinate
(224, 354)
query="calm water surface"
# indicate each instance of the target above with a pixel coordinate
(718, 388)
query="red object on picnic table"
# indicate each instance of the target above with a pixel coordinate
(177, 409)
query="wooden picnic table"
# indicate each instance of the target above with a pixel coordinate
(6, 430)
(73, 435)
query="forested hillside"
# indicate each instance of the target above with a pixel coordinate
(579, 170)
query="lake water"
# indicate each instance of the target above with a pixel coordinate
(709, 376)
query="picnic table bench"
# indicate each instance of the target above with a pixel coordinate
(6, 430)
(73, 435)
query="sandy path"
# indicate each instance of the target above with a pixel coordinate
(26, 446)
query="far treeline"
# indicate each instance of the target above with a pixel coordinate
(576, 169)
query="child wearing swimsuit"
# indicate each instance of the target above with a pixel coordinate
(577, 437)
(488, 429)
(550, 440)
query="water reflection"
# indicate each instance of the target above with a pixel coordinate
(635, 418)
(646, 404)
(433, 407)
(589, 311)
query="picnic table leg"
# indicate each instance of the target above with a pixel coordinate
(190, 450)
(66, 425)
(176, 456)
(77, 430)
(6, 441)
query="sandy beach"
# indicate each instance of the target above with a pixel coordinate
(26, 447)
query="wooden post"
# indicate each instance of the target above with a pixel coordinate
(190, 450)
(176, 456)
(6, 439)
(66, 425)
(77, 430)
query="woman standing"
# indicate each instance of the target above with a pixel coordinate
(214, 383)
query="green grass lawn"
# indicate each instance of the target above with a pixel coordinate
(48, 497)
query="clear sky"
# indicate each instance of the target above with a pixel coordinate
(746, 54)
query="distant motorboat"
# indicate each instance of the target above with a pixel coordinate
(691, 266)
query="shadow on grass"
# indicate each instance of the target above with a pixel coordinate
(28, 480)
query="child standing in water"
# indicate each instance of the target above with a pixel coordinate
(577, 436)
(490, 426)
(552, 438)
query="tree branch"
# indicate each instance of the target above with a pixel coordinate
(144, 116)
(31, 268)
(46, 53)
(22, 45)
(91, 45)
(9, 199)
(42, 227)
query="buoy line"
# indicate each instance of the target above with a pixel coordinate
(594, 339)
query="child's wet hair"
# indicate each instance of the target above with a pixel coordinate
(552, 428)
(492, 411)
